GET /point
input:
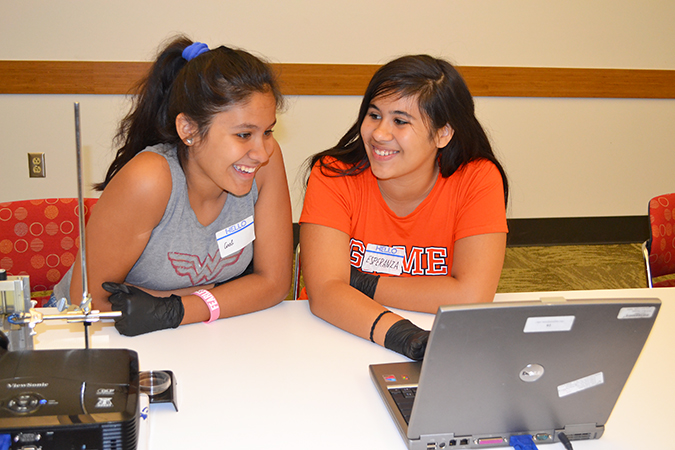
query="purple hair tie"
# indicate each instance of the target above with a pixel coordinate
(194, 50)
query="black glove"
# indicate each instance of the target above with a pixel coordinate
(142, 312)
(407, 339)
(4, 343)
(364, 282)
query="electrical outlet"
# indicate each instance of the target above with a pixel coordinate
(36, 165)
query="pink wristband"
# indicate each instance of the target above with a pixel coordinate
(211, 302)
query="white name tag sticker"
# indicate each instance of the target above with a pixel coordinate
(235, 237)
(548, 324)
(581, 384)
(383, 259)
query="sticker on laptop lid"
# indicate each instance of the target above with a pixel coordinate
(581, 384)
(548, 324)
(636, 312)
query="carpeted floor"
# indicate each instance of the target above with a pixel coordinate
(571, 267)
(574, 267)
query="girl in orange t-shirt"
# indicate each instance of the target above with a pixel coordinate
(407, 210)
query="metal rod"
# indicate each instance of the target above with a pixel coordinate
(33, 317)
(80, 199)
(86, 297)
(21, 318)
(86, 334)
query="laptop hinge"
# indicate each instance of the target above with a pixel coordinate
(552, 299)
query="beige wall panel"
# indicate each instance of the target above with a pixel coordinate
(565, 157)
(575, 33)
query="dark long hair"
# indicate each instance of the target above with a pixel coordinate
(443, 98)
(200, 88)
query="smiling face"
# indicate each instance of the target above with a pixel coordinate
(398, 142)
(238, 143)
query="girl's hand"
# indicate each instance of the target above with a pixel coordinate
(142, 312)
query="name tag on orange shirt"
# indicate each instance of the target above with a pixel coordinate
(383, 259)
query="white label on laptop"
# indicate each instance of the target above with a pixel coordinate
(235, 237)
(581, 384)
(548, 324)
(383, 259)
(637, 312)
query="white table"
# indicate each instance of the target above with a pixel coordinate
(283, 378)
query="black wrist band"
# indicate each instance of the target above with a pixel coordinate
(372, 329)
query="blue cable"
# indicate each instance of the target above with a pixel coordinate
(522, 442)
(5, 441)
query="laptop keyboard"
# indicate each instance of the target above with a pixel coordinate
(404, 399)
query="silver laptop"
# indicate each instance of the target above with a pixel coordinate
(497, 370)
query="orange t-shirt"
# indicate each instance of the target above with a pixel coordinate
(467, 203)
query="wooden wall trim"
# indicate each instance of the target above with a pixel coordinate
(92, 77)
(69, 77)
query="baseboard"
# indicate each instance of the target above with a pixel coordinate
(578, 230)
(569, 231)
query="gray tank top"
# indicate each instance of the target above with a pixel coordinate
(181, 251)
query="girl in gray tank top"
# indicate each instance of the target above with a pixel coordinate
(194, 220)
(181, 251)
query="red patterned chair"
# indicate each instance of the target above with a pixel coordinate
(39, 238)
(659, 250)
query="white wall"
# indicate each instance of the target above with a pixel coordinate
(565, 157)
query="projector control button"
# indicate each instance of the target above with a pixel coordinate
(24, 403)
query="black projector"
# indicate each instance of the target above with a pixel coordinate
(69, 400)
